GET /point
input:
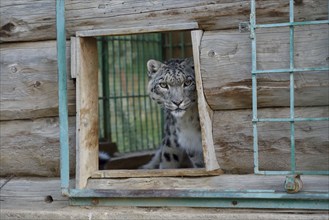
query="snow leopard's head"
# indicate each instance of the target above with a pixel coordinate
(172, 84)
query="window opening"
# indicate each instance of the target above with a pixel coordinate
(129, 121)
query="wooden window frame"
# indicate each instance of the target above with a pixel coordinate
(84, 67)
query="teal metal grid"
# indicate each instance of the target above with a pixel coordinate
(291, 70)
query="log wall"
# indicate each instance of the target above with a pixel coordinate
(226, 67)
(28, 76)
(20, 22)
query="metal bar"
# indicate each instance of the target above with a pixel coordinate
(124, 96)
(139, 90)
(123, 145)
(205, 202)
(152, 113)
(127, 91)
(170, 45)
(196, 193)
(287, 24)
(62, 97)
(106, 90)
(133, 88)
(301, 172)
(254, 84)
(292, 90)
(114, 78)
(144, 90)
(181, 44)
(289, 119)
(101, 108)
(158, 53)
(128, 39)
(291, 70)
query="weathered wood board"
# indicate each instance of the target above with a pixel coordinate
(223, 182)
(31, 147)
(35, 20)
(205, 113)
(233, 139)
(156, 173)
(28, 81)
(226, 67)
(87, 110)
(19, 203)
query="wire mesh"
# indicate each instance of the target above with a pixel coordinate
(128, 118)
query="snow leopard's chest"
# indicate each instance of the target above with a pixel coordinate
(186, 131)
(189, 133)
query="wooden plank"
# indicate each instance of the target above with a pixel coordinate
(87, 110)
(73, 57)
(226, 67)
(134, 30)
(224, 183)
(31, 147)
(233, 139)
(24, 198)
(28, 81)
(205, 112)
(154, 173)
(22, 22)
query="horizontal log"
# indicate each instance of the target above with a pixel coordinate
(31, 147)
(233, 139)
(28, 79)
(30, 20)
(226, 67)
(217, 183)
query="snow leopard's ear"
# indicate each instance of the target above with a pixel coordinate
(188, 62)
(153, 66)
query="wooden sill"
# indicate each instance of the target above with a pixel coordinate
(155, 173)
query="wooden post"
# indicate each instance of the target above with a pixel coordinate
(87, 110)
(205, 111)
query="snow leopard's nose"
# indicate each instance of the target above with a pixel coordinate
(177, 103)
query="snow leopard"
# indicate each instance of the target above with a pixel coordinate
(172, 85)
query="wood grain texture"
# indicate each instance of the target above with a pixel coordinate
(205, 112)
(233, 139)
(134, 30)
(31, 147)
(226, 67)
(19, 203)
(31, 20)
(28, 81)
(87, 110)
(223, 182)
(155, 173)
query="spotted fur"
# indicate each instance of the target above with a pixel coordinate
(172, 85)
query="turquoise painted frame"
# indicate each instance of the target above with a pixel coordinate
(291, 24)
(160, 198)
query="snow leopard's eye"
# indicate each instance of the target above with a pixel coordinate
(163, 85)
(187, 82)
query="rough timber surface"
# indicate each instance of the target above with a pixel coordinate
(30, 20)
(223, 182)
(25, 198)
(205, 113)
(31, 147)
(226, 67)
(87, 110)
(28, 81)
(233, 139)
(155, 173)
